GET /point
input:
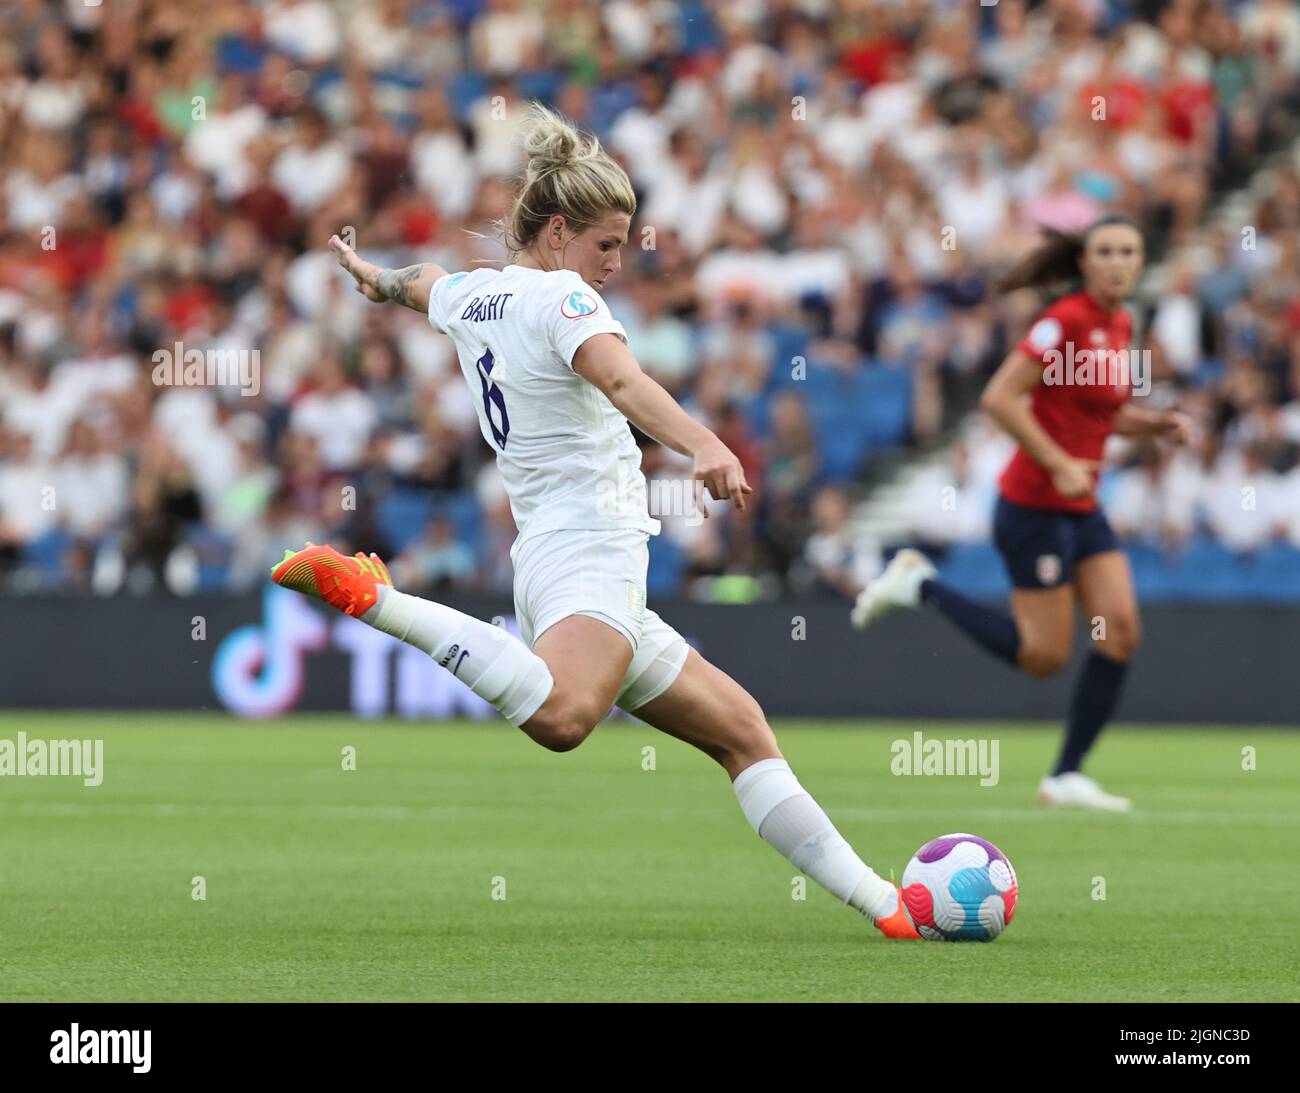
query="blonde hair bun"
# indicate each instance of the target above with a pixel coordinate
(567, 173)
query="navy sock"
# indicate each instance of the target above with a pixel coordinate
(994, 630)
(1095, 696)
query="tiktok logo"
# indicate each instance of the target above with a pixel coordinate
(258, 670)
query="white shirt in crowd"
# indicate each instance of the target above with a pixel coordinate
(305, 29)
(310, 176)
(341, 422)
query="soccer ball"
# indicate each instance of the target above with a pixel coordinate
(960, 888)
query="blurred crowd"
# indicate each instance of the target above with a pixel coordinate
(847, 176)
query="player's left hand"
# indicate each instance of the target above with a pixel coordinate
(1177, 427)
(718, 470)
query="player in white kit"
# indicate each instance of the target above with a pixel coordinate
(555, 385)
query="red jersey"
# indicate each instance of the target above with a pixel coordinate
(1080, 394)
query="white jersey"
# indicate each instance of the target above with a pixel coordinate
(566, 455)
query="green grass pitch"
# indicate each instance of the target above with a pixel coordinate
(620, 882)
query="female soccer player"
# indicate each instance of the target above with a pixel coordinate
(1055, 540)
(555, 385)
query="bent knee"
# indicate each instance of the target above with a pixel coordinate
(1043, 661)
(559, 734)
(561, 726)
(1121, 637)
(565, 736)
(751, 738)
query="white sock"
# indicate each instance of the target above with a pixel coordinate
(785, 815)
(493, 663)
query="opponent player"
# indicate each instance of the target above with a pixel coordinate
(555, 386)
(1055, 540)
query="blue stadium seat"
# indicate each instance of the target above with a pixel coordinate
(466, 518)
(541, 83)
(406, 512)
(758, 414)
(1212, 571)
(976, 570)
(788, 342)
(667, 566)
(698, 32)
(1206, 572)
(403, 515)
(213, 550)
(1277, 573)
(236, 53)
(44, 555)
(885, 402)
(1153, 577)
(1208, 372)
(855, 413)
(464, 12)
(466, 88)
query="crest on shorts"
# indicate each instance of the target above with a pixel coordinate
(1048, 568)
(635, 599)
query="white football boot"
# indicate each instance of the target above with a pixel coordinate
(1079, 791)
(898, 586)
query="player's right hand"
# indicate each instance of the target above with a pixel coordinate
(1076, 477)
(719, 471)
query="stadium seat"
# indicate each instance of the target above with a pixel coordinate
(466, 517)
(406, 512)
(466, 88)
(976, 570)
(541, 83)
(855, 413)
(789, 342)
(667, 566)
(1277, 573)
(402, 516)
(212, 550)
(698, 33)
(240, 54)
(44, 556)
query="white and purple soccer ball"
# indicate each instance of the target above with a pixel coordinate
(960, 888)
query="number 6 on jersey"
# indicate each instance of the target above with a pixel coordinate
(492, 396)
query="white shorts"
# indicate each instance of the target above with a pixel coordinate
(601, 574)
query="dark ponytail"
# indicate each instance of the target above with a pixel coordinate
(1054, 263)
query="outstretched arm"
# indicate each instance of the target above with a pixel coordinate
(607, 364)
(409, 286)
(1172, 425)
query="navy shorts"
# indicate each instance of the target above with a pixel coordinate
(1041, 546)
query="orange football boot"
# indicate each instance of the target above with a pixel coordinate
(350, 584)
(898, 926)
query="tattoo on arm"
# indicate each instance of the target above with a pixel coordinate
(396, 283)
